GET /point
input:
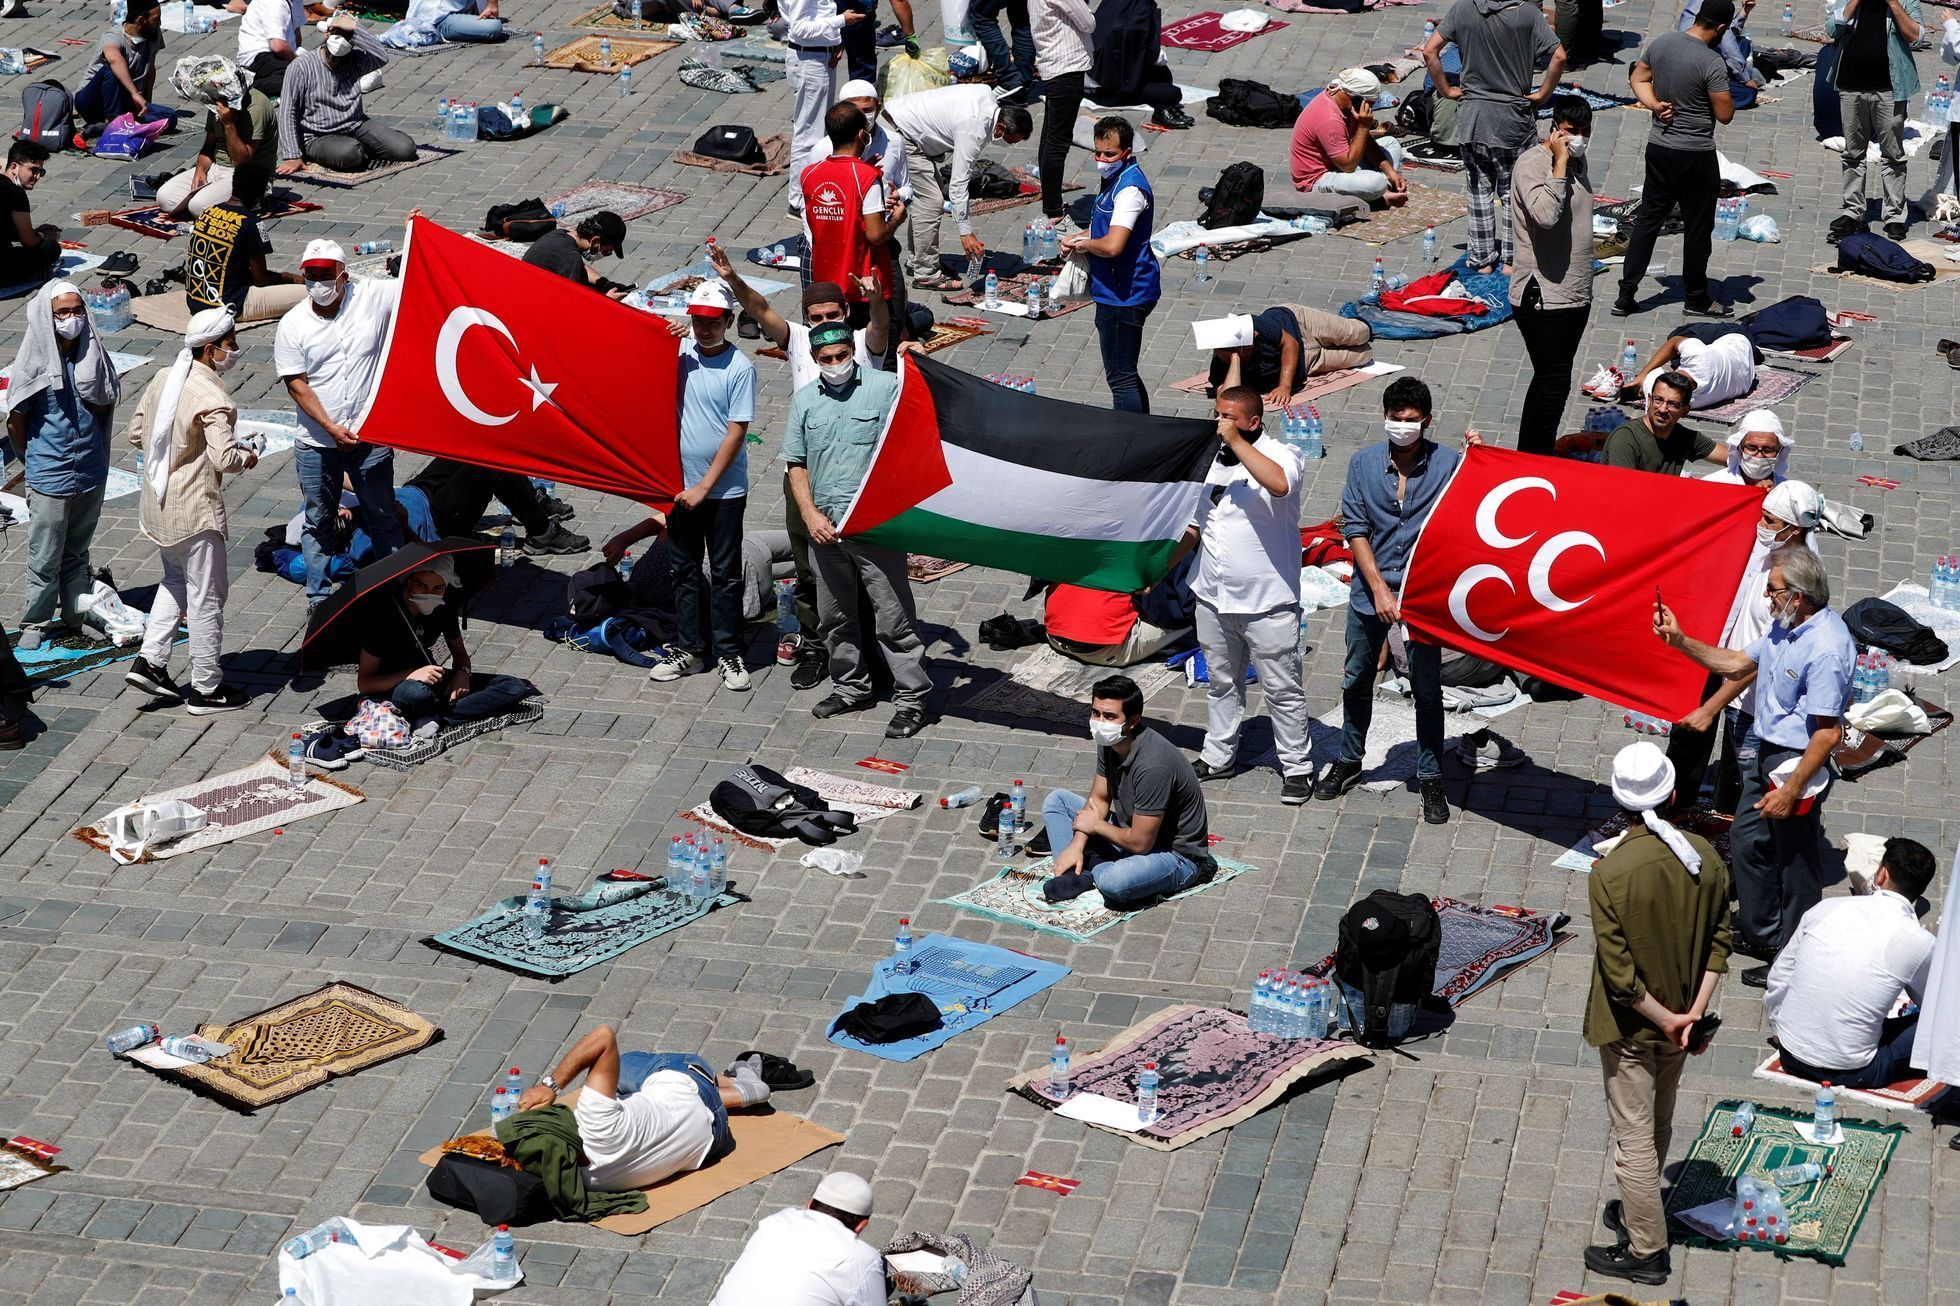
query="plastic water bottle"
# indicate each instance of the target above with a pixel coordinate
(625, 80)
(122, 11)
(1428, 29)
(717, 868)
(992, 291)
(1809, 1172)
(1034, 298)
(1776, 1217)
(296, 761)
(499, 1106)
(503, 1256)
(128, 1040)
(1017, 799)
(1861, 684)
(626, 566)
(1857, 442)
(537, 911)
(903, 963)
(1630, 362)
(1202, 263)
(676, 865)
(1030, 244)
(1051, 244)
(507, 543)
(190, 16)
(1429, 255)
(605, 52)
(537, 46)
(1147, 1093)
(702, 873)
(1823, 1110)
(1310, 434)
(1006, 843)
(1378, 279)
(961, 798)
(1939, 593)
(442, 115)
(1058, 1066)
(1744, 1120)
(302, 1245)
(786, 622)
(1789, 23)
(1256, 1013)
(375, 247)
(1881, 670)
(516, 108)
(1746, 1218)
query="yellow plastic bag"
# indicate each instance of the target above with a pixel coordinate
(903, 74)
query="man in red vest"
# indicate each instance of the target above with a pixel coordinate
(847, 219)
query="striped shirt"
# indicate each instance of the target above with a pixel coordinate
(322, 100)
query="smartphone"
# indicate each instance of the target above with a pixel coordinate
(1703, 1033)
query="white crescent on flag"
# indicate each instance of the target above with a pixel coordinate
(450, 339)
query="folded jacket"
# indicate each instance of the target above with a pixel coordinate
(891, 1019)
(546, 1143)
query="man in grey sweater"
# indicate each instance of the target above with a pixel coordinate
(321, 117)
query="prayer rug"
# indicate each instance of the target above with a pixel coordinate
(68, 655)
(603, 19)
(1622, 211)
(775, 159)
(446, 738)
(23, 1160)
(1915, 1094)
(319, 176)
(73, 264)
(1773, 385)
(151, 220)
(1359, 7)
(1816, 353)
(1427, 207)
(971, 983)
(1013, 290)
(1824, 1216)
(1204, 32)
(1030, 192)
(170, 312)
(302, 1043)
(596, 926)
(248, 801)
(1214, 1072)
(1014, 894)
(1050, 687)
(923, 569)
(944, 335)
(761, 69)
(1481, 945)
(1236, 249)
(1600, 101)
(624, 198)
(1316, 387)
(1604, 837)
(1927, 251)
(1944, 622)
(862, 799)
(1861, 752)
(583, 56)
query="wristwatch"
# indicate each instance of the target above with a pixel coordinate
(547, 1081)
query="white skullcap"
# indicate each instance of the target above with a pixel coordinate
(1760, 419)
(1643, 779)
(211, 324)
(1796, 503)
(1358, 82)
(843, 1191)
(858, 89)
(442, 565)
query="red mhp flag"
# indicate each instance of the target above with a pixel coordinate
(497, 363)
(1549, 567)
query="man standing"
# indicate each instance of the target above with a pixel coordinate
(322, 119)
(328, 351)
(1660, 917)
(1124, 278)
(1500, 42)
(1247, 583)
(813, 30)
(828, 447)
(1801, 669)
(567, 253)
(1016, 80)
(1552, 276)
(1391, 489)
(62, 394)
(1737, 52)
(813, 1256)
(950, 125)
(848, 221)
(1062, 30)
(1334, 149)
(1656, 441)
(1685, 85)
(1875, 78)
(1142, 832)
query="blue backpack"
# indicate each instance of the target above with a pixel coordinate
(1875, 256)
(1798, 322)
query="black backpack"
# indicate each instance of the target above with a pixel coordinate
(523, 221)
(759, 801)
(1425, 114)
(1892, 628)
(1238, 196)
(1794, 323)
(1240, 103)
(992, 181)
(497, 1193)
(733, 143)
(1875, 256)
(47, 115)
(1389, 943)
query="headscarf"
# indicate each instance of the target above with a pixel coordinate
(1760, 419)
(1643, 779)
(37, 366)
(211, 324)
(1796, 502)
(442, 565)
(1357, 82)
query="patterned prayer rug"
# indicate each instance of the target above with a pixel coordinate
(1213, 1072)
(1014, 894)
(150, 219)
(1601, 839)
(456, 732)
(1861, 751)
(969, 982)
(1816, 353)
(1600, 101)
(68, 655)
(302, 1043)
(1030, 192)
(319, 176)
(1913, 1094)
(1204, 32)
(257, 798)
(1824, 1216)
(1316, 387)
(604, 921)
(1773, 386)
(1427, 207)
(583, 55)
(24, 1160)
(1047, 686)
(775, 159)
(944, 335)
(624, 198)
(866, 801)
(1481, 945)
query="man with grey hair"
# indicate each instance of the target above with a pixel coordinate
(1801, 670)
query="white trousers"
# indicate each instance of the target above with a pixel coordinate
(813, 88)
(1270, 641)
(195, 581)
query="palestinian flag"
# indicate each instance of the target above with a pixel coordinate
(1060, 491)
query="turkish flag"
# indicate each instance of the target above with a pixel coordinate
(1550, 567)
(500, 364)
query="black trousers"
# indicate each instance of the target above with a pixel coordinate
(460, 494)
(14, 692)
(1552, 339)
(714, 531)
(1691, 180)
(268, 73)
(1058, 112)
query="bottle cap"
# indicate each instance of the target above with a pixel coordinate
(1150, 1065)
(905, 920)
(503, 1228)
(513, 1070)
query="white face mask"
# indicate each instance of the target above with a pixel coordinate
(338, 46)
(70, 327)
(1575, 147)
(1107, 168)
(1756, 466)
(325, 293)
(1785, 614)
(425, 603)
(1403, 434)
(224, 363)
(1107, 734)
(1766, 535)
(838, 374)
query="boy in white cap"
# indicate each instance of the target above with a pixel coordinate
(812, 1256)
(1335, 149)
(1660, 916)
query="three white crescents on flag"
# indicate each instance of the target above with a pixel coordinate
(1538, 576)
(450, 339)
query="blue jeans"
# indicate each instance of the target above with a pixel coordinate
(1119, 328)
(1366, 633)
(470, 27)
(860, 41)
(488, 696)
(1890, 1064)
(713, 530)
(1124, 879)
(103, 98)
(634, 1067)
(371, 469)
(1015, 70)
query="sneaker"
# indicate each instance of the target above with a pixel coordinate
(558, 510)
(556, 540)
(1605, 384)
(11, 740)
(332, 750)
(838, 705)
(812, 666)
(734, 675)
(787, 649)
(1619, 1262)
(1337, 780)
(1895, 231)
(225, 698)
(1206, 771)
(672, 664)
(1064, 226)
(905, 723)
(152, 680)
(1296, 790)
(1712, 308)
(1485, 751)
(1037, 844)
(1435, 808)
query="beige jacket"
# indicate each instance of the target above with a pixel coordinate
(202, 450)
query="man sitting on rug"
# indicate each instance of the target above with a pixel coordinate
(322, 119)
(125, 69)
(1142, 831)
(399, 625)
(227, 265)
(597, 235)
(1718, 355)
(644, 1116)
(812, 1256)
(1335, 149)
(1291, 342)
(431, 22)
(1832, 990)
(241, 126)
(1656, 441)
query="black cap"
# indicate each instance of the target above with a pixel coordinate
(608, 227)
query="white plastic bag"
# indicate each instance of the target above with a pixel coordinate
(1889, 713)
(1761, 228)
(133, 827)
(835, 861)
(105, 608)
(1243, 20)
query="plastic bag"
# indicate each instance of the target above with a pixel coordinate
(133, 827)
(1760, 227)
(903, 75)
(1889, 712)
(835, 861)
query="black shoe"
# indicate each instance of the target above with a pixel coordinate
(1895, 231)
(812, 666)
(225, 698)
(1337, 780)
(1173, 117)
(121, 264)
(1756, 978)
(1435, 809)
(1841, 227)
(1619, 1262)
(1713, 308)
(556, 540)
(1624, 307)
(905, 723)
(1206, 771)
(1614, 1218)
(1296, 790)
(151, 680)
(558, 510)
(11, 740)
(838, 705)
(1038, 845)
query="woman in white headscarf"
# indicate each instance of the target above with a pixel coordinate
(184, 424)
(62, 397)
(1759, 452)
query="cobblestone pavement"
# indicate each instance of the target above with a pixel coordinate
(1471, 1169)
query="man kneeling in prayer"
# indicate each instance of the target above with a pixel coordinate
(643, 1116)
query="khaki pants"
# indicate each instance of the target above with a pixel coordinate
(269, 303)
(1329, 342)
(1640, 1081)
(922, 215)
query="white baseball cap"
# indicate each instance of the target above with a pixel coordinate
(843, 1191)
(858, 89)
(321, 253)
(710, 299)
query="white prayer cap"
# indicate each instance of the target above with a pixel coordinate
(211, 324)
(1797, 503)
(1643, 778)
(844, 1191)
(858, 89)
(1358, 82)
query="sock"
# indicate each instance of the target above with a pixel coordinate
(754, 1092)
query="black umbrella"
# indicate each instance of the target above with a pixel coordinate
(323, 649)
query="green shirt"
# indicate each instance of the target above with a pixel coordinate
(834, 435)
(1633, 446)
(260, 129)
(1656, 929)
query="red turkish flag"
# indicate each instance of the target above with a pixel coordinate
(497, 363)
(1550, 567)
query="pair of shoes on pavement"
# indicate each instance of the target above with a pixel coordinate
(557, 540)
(673, 663)
(812, 663)
(1341, 777)
(1173, 117)
(156, 682)
(1293, 791)
(905, 722)
(1842, 226)
(1617, 1260)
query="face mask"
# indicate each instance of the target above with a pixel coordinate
(338, 46)
(1107, 168)
(70, 327)
(224, 364)
(1403, 434)
(425, 603)
(1107, 734)
(1785, 614)
(325, 293)
(1575, 147)
(1766, 535)
(838, 374)
(1755, 466)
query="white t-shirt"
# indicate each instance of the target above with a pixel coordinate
(804, 1258)
(1249, 542)
(661, 1130)
(1127, 207)
(339, 355)
(266, 21)
(1722, 371)
(803, 363)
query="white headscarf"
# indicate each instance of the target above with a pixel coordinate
(1760, 419)
(1643, 779)
(211, 324)
(37, 366)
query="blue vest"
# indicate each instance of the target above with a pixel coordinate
(1130, 278)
